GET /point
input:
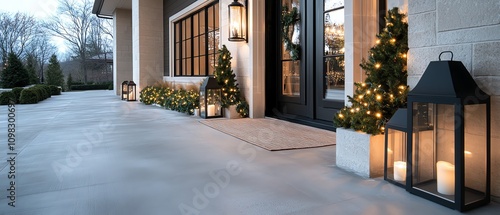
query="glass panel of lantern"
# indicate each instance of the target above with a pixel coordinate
(395, 148)
(449, 123)
(124, 90)
(237, 21)
(131, 91)
(210, 99)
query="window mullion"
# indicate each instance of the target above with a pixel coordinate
(207, 55)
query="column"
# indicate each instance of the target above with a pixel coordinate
(122, 48)
(147, 42)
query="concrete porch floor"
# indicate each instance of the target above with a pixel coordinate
(90, 153)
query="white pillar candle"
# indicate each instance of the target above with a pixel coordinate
(445, 178)
(211, 110)
(400, 171)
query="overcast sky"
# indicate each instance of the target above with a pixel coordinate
(41, 9)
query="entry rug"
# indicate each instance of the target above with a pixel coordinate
(273, 134)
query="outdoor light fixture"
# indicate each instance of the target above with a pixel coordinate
(131, 91)
(395, 149)
(210, 99)
(124, 90)
(237, 21)
(449, 137)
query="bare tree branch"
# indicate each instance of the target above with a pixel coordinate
(16, 31)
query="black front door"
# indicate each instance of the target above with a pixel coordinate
(308, 86)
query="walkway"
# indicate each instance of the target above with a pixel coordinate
(90, 153)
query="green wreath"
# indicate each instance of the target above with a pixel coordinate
(289, 18)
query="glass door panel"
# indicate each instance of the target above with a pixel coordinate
(290, 67)
(333, 34)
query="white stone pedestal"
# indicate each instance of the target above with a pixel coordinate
(231, 112)
(360, 153)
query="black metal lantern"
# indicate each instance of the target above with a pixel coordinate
(237, 21)
(449, 137)
(210, 99)
(131, 91)
(124, 90)
(395, 167)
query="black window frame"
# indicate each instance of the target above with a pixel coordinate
(181, 67)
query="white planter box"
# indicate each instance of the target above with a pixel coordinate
(231, 112)
(360, 153)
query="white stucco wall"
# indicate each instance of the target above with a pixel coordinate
(471, 30)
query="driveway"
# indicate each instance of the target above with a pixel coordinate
(91, 153)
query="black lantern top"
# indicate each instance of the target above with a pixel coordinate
(448, 79)
(398, 120)
(131, 83)
(210, 83)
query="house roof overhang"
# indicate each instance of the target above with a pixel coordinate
(106, 8)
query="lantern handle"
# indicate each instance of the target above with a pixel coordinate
(446, 52)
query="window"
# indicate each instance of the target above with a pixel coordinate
(291, 68)
(334, 71)
(196, 42)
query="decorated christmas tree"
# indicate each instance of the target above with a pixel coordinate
(385, 88)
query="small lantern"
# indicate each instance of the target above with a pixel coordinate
(237, 22)
(395, 149)
(124, 90)
(449, 137)
(210, 99)
(131, 91)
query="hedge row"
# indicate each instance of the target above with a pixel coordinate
(30, 95)
(90, 87)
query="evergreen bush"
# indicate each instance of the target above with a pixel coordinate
(7, 97)
(17, 92)
(29, 96)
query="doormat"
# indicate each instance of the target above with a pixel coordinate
(273, 134)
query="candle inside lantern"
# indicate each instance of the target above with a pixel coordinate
(400, 171)
(445, 178)
(235, 29)
(211, 110)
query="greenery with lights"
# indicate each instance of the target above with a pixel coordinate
(385, 88)
(181, 100)
(226, 78)
(289, 19)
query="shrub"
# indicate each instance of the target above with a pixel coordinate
(29, 96)
(147, 95)
(43, 91)
(90, 87)
(17, 93)
(181, 100)
(6, 97)
(54, 90)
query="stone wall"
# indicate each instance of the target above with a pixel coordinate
(471, 30)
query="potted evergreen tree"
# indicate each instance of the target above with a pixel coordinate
(360, 145)
(233, 103)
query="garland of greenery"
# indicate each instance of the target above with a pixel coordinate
(289, 18)
(181, 100)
